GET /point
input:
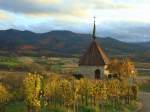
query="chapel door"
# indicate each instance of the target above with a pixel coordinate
(97, 74)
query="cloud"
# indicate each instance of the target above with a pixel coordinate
(125, 31)
(76, 8)
(56, 6)
(27, 6)
(4, 16)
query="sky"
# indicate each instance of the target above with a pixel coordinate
(125, 20)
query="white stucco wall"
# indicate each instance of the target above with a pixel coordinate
(89, 71)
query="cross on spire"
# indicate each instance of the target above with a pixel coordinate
(94, 29)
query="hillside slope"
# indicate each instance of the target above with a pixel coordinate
(65, 43)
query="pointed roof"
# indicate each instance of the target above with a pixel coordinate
(94, 56)
(94, 30)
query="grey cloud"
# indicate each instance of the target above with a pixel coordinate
(26, 6)
(126, 31)
(65, 6)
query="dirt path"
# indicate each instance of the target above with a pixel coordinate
(145, 98)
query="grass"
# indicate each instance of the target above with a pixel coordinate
(144, 72)
(142, 65)
(143, 68)
(11, 64)
(21, 107)
(56, 67)
(16, 107)
(123, 107)
(145, 87)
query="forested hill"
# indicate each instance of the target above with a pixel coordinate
(63, 43)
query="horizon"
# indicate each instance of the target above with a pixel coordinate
(79, 33)
(125, 20)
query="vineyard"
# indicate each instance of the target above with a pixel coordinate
(56, 92)
(61, 94)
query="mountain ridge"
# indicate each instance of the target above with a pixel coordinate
(63, 42)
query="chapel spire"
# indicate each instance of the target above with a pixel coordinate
(94, 30)
(94, 56)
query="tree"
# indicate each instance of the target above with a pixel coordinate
(115, 67)
(128, 69)
(51, 88)
(66, 92)
(126, 73)
(32, 87)
(98, 91)
(4, 97)
(123, 68)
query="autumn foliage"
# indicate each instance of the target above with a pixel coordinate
(67, 92)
